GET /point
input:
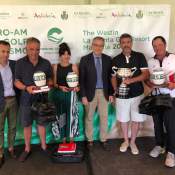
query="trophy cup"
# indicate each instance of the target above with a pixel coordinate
(158, 77)
(72, 79)
(40, 82)
(123, 73)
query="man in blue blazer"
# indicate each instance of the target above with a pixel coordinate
(2, 101)
(12, 64)
(8, 103)
(96, 89)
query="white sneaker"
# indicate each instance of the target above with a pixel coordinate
(170, 160)
(124, 146)
(134, 149)
(156, 151)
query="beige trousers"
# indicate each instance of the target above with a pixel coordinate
(101, 104)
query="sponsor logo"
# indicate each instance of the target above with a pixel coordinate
(139, 14)
(64, 15)
(44, 15)
(54, 35)
(22, 16)
(155, 13)
(82, 14)
(121, 14)
(4, 15)
(100, 15)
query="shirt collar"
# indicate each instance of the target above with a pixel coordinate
(127, 57)
(95, 56)
(3, 67)
(166, 55)
(27, 59)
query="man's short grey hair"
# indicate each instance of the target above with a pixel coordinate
(32, 40)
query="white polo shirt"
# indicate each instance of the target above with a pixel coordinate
(168, 66)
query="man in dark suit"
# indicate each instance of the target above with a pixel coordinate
(12, 64)
(8, 103)
(2, 101)
(96, 88)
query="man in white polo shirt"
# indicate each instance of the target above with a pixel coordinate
(166, 61)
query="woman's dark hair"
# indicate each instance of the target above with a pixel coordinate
(63, 47)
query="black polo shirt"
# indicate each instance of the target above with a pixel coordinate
(137, 60)
(24, 72)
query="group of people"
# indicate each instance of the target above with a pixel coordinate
(98, 85)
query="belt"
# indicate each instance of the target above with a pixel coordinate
(9, 97)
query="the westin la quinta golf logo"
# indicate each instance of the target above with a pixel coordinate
(54, 35)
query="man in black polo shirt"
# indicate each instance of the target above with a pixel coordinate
(25, 69)
(127, 106)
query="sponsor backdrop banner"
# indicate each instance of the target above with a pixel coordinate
(78, 24)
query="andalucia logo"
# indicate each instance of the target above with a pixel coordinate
(54, 35)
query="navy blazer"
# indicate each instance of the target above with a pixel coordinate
(12, 64)
(2, 101)
(88, 76)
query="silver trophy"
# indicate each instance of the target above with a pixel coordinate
(123, 73)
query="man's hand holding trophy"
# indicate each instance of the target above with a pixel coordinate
(124, 74)
(72, 81)
(160, 78)
(40, 82)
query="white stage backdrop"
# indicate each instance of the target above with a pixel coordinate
(78, 24)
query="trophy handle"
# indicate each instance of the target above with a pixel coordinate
(133, 70)
(114, 69)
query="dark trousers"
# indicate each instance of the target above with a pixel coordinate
(159, 131)
(165, 118)
(169, 120)
(10, 112)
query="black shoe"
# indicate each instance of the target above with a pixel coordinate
(105, 146)
(45, 152)
(24, 156)
(12, 154)
(2, 161)
(90, 145)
